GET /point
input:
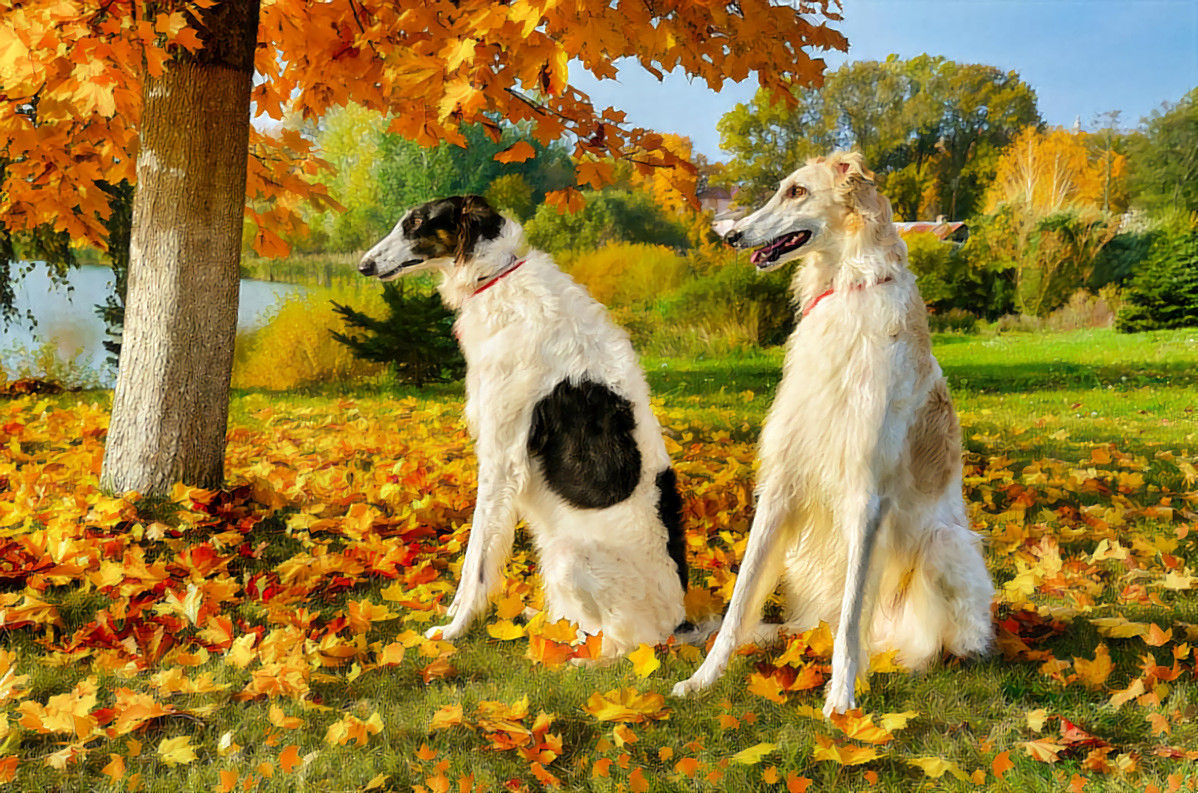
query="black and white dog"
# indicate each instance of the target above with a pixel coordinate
(564, 434)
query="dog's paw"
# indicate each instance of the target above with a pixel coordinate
(840, 698)
(693, 685)
(445, 633)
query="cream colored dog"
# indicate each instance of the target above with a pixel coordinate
(859, 505)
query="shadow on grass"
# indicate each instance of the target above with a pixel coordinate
(1001, 378)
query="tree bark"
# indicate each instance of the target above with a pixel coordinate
(170, 407)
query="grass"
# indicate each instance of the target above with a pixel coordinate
(1022, 398)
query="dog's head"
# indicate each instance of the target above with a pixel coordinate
(446, 234)
(823, 207)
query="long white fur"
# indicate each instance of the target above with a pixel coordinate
(605, 569)
(859, 499)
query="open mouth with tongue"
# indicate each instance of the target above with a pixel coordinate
(768, 254)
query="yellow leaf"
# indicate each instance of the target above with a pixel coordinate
(936, 767)
(827, 749)
(504, 630)
(753, 754)
(280, 719)
(644, 660)
(627, 705)
(860, 727)
(446, 717)
(767, 687)
(1121, 698)
(1044, 750)
(115, 768)
(391, 655)
(897, 721)
(1119, 627)
(176, 751)
(1094, 673)
(1036, 719)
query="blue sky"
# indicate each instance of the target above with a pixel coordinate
(1082, 57)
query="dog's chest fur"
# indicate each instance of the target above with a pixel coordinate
(824, 420)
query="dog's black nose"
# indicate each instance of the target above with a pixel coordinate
(733, 237)
(367, 266)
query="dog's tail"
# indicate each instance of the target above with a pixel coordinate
(690, 633)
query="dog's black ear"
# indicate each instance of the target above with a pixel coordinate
(477, 220)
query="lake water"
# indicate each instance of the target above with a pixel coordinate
(66, 318)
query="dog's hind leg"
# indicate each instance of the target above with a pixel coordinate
(846, 653)
(492, 532)
(759, 572)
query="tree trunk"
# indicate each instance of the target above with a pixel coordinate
(170, 408)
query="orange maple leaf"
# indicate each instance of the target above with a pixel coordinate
(519, 151)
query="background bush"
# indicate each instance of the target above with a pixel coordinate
(732, 295)
(296, 348)
(625, 273)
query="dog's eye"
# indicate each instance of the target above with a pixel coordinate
(794, 191)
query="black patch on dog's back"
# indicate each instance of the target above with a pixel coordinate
(583, 435)
(669, 509)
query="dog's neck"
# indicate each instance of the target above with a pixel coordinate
(845, 270)
(487, 281)
(494, 260)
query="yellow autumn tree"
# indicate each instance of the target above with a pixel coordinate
(1046, 171)
(1047, 215)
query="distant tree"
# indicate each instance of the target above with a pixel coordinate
(608, 216)
(930, 128)
(1048, 256)
(1045, 171)
(513, 194)
(1163, 291)
(767, 139)
(409, 174)
(414, 338)
(981, 108)
(1164, 158)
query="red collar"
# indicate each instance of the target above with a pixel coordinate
(811, 306)
(502, 274)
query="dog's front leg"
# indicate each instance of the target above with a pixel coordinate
(861, 535)
(757, 578)
(492, 533)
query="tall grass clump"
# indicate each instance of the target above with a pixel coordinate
(297, 349)
(732, 298)
(59, 360)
